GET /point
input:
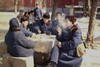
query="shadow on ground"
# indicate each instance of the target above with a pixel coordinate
(2, 34)
(97, 38)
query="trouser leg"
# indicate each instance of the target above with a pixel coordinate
(55, 54)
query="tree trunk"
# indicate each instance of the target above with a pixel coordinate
(85, 7)
(90, 34)
(16, 3)
(72, 8)
(55, 5)
(62, 6)
(89, 7)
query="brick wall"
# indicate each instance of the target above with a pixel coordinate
(7, 5)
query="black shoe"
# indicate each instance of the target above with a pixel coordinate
(51, 64)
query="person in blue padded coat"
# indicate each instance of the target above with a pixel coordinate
(64, 54)
(43, 26)
(17, 43)
(37, 13)
(57, 23)
(23, 26)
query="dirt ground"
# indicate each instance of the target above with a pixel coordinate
(4, 23)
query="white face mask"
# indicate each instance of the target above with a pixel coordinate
(66, 23)
(46, 20)
(25, 24)
(58, 17)
(63, 25)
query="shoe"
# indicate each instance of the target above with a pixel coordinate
(51, 64)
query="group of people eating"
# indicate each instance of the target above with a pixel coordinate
(67, 32)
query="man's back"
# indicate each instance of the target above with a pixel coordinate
(18, 45)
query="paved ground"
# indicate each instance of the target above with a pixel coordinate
(91, 59)
(0, 62)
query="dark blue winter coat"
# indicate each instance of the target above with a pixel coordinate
(33, 28)
(67, 57)
(37, 13)
(40, 25)
(44, 27)
(18, 45)
(54, 25)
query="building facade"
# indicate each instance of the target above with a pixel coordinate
(45, 5)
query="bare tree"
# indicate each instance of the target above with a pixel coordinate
(16, 3)
(62, 6)
(90, 34)
(55, 5)
(85, 7)
(89, 6)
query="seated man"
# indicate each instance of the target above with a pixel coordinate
(32, 13)
(33, 27)
(23, 25)
(26, 15)
(57, 23)
(64, 54)
(31, 17)
(18, 45)
(20, 15)
(44, 24)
